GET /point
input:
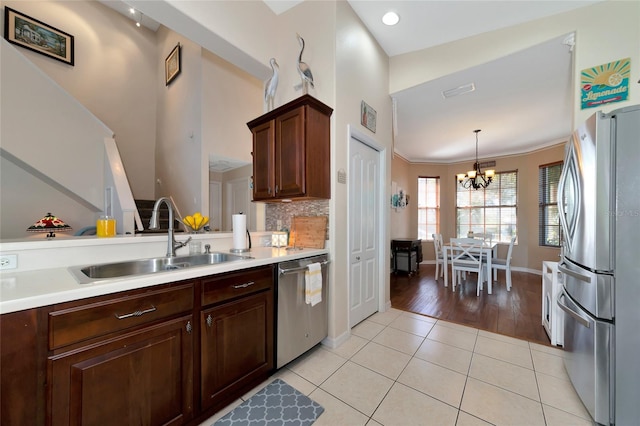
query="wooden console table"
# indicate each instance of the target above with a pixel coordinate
(407, 255)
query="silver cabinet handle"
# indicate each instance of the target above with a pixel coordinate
(245, 285)
(189, 327)
(570, 311)
(136, 313)
(209, 320)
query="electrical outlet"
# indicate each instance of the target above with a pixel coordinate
(8, 261)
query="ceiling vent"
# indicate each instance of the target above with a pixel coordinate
(460, 90)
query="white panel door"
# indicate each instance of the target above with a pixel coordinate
(364, 190)
(215, 206)
(239, 200)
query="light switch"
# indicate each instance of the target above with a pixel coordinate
(342, 176)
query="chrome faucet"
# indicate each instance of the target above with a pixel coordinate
(172, 244)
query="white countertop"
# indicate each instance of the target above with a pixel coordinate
(42, 287)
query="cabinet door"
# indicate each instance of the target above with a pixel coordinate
(143, 378)
(290, 154)
(236, 347)
(264, 161)
(23, 349)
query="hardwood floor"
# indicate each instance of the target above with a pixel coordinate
(516, 313)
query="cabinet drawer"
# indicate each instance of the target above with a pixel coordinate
(229, 286)
(96, 319)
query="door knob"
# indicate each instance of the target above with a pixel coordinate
(357, 257)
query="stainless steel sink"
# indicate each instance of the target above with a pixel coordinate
(92, 273)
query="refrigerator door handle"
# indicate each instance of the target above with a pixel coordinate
(573, 274)
(561, 207)
(571, 312)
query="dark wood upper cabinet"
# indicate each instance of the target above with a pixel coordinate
(291, 151)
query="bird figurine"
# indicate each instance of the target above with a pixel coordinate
(303, 69)
(272, 85)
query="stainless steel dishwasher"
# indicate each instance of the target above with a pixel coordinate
(299, 325)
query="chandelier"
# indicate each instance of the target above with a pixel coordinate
(475, 178)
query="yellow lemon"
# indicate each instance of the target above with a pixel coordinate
(605, 78)
(614, 79)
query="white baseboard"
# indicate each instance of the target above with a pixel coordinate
(337, 341)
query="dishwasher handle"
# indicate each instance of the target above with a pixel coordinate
(299, 268)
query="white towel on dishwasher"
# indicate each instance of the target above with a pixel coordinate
(313, 284)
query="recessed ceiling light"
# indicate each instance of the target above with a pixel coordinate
(132, 11)
(390, 18)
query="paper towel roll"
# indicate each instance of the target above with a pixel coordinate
(239, 231)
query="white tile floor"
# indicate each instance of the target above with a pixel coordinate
(400, 368)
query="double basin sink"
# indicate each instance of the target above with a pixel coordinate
(93, 273)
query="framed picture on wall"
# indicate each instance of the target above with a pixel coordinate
(172, 65)
(368, 116)
(28, 32)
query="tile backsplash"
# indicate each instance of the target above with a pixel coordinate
(286, 211)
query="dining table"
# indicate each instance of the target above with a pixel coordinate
(488, 248)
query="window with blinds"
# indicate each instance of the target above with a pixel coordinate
(490, 210)
(549, 222)
(428, 207)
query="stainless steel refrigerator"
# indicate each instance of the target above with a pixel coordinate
(599, 206)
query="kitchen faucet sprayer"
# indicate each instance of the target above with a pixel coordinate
(172, 244)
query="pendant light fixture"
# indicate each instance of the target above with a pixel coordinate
(475, 178)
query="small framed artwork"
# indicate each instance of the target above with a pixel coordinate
(172, 65)
(368, 116)
(27, 32)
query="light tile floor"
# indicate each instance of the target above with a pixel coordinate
(400, 368)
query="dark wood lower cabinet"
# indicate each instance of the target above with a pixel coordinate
(236, 347)
(141, 378)
(23, 367)
(138, 357)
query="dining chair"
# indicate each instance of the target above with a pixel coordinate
(437, 246)
(467, 256)
(487, 237)
(504, 264)
(467, 240)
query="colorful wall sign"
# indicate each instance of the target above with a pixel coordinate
(605, 83)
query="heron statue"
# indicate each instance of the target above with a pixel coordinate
(303, 69)
(272, 85)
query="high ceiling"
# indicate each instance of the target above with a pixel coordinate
(428, 23)
(521, 102)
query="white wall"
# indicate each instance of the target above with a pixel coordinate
(179, 136)
(113, 62)
(42, 154)
(25, 199)
(361, 74)
(230, 99)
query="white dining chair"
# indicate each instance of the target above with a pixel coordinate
(504, 264)
(467, 240)
(437, 247)
(487, 237)
(467, 256)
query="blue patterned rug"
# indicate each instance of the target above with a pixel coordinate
(276, 404)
